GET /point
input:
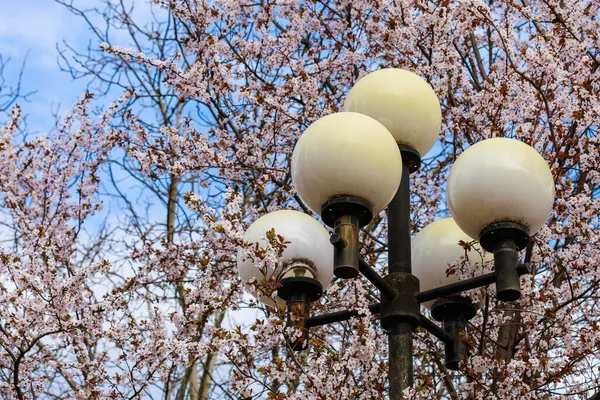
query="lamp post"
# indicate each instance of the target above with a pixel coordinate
(351, 165)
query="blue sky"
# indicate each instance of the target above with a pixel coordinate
(30, 30)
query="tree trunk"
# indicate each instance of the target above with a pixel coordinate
(507, 335)
(209, 364)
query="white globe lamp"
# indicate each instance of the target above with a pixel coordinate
(501, 191)
(346, 154)
(346, 167)
(500, 180)
(309, 254)
(403, 102)
(436, 247)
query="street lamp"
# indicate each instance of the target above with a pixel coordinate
(351, 165)
(430, 267)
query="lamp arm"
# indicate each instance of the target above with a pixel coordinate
(344, 315)
(435, 330)
(338, 316)
(467, 284)
(385, 288)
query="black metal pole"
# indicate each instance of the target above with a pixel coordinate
(398, 211)
(400, 331)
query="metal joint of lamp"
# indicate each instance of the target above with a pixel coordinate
(350, 166)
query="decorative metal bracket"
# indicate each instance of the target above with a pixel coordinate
(453, 324)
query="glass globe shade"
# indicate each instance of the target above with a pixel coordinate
(403, 102)
(346, 154)
(500, 180)
(309, 246)
(435, 247)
